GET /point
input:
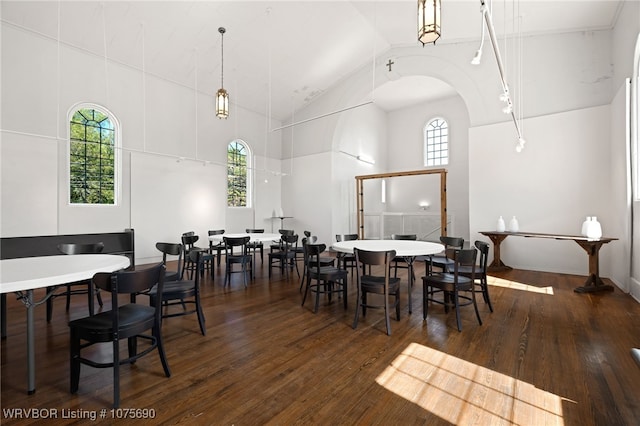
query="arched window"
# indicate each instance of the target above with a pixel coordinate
(436, 143)
(238, 174)
(93, 155)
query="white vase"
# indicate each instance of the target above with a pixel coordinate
(513, 225)
(585, 226)
(500, 226)
(594, 230)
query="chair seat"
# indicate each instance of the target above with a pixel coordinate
(327, 273)
(375, 284)
(133, 319)
(175, 290)
(447, 282)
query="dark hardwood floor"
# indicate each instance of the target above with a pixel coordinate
(546, 355)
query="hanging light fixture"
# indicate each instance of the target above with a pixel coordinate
(222, 97)
(428, 21)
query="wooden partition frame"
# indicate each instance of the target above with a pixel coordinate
(443, 194)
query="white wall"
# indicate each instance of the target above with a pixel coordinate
(161, 121)
(562, 176)
(405, 152)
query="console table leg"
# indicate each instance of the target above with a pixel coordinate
(594, 283)
(497, 264)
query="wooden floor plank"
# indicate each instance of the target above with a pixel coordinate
(546, 355)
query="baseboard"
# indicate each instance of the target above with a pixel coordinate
(634, 289)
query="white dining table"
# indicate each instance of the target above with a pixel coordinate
(408, 249)
(23, 275)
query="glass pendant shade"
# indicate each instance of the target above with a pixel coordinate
(428, 21)
(222, 104)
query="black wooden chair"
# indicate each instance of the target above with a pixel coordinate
(383, 285)
(286, 256)
(254, 246)
(128, 321)
(235, 252)
(78, 287)
(451, 284)
(278, 244)
(441, 260)
(217, 247)
(326, 279)
(177, 291)
(346, 260)
(480, 271)
(324, 260)
(189, 240)
(171, 249)
(401, 262)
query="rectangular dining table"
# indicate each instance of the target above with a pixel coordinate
(23, 275)
(408, 249)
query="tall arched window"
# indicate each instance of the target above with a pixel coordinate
(238, 174)
(436, 143)
(93, 155)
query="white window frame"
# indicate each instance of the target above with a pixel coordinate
(426, 145)
(117, 154)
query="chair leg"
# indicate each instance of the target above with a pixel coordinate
(398, 304)
(315, 309)
(68, 297)
(425, 300)
(386, 314)
(355, 318)
(201, 319)
(485, 292)
(475, 306)
(457, 306)
(116, 373)
(163, 358)
(74, 361)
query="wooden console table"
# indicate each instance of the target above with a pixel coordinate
(591, 246)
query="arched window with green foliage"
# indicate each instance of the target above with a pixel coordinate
(92, 157)
(238, 174)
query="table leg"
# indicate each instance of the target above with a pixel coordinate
(410, 278)
(31, 358)
(3, 315)
(497, 264)
(593, 283)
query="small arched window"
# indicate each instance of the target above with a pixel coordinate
(93, 154)
(238, 174)
(436, 143)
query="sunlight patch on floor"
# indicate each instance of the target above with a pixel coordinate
(499, 282)
(461, 392)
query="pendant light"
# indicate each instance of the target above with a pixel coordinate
(428, 21)
(222, 97)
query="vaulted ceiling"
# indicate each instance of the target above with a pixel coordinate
(278, 56)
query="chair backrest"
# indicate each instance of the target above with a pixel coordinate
(312, 255)
(72, 248)
(366, 258)
(346, 237)
(452, 242)
(289, 242)
(189, 240)
(465, 258)
(170, 249)
(230, 243)
(286, 231)
(404, 237)
(254, 231)
(307, 233)
(215, 232)
(483, 248)
(131, 282)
